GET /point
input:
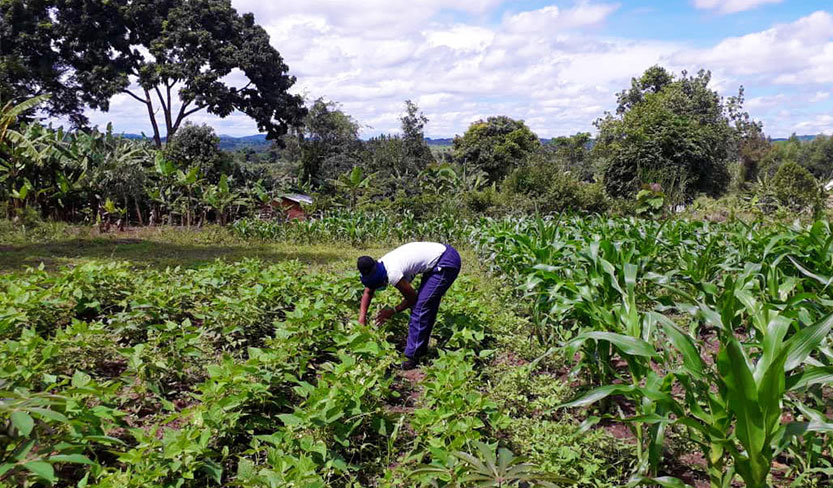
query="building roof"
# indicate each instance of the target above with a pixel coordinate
(298, 198)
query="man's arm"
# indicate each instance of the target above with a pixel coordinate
(409, 295)
(367, 297)
(410, 299)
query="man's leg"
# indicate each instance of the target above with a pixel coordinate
(424, 312)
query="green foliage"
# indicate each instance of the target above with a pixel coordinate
(198, 146)
(714, 330)
(357, 228)
(650, 200)
(490, 469)
(795, 188)
(674, 132)
(193, 46)
(329, 143)
(542, 187)
(496, 146)
(560, 448)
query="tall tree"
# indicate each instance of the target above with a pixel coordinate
(496, 145)
(673, 133)
(329, 143)
(413, 136)
(30, 65)
(752, 144)
(175, 57)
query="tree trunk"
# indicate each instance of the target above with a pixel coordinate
(157, 139)
(138, 212)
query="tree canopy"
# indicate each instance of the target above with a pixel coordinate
(496, 145)
(329, 143)
(180, 56)
(667, 130)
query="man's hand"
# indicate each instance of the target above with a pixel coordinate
(384, 315)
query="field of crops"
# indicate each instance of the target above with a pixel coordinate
(718, 334)
(603, 351)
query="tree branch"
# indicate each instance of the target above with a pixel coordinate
(137, 97)
(195, 109)
(161, 100)
(238, 90)
(181, 114)
(166, 109)
(156, 138)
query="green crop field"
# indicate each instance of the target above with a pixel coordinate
(577, 351)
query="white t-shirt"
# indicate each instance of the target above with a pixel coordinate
(411, 259)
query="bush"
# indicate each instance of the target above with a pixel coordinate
(796, 189)
(483, 202)
(593, 198)
(547, 189)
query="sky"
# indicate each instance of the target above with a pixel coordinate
(557, 65)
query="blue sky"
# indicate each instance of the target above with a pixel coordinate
(555, 64)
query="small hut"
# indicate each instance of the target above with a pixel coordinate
(289, 205)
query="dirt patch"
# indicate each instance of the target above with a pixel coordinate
(408, 391)
(508, 358)
(111, 368)
(415, 375)
(690, 467)
(619, 431)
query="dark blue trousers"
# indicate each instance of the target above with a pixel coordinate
(423, 315)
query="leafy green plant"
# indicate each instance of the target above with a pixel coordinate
(650, 200)
(490, 469)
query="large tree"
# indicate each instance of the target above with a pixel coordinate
(496, 145)
(667, 130)
(30, 64)
(396, 159)
(413, 136)
(174, 57)
(328, 143)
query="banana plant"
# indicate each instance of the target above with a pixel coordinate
(189, 182)
(439, 178)
(17, 150)
(355, 183)
(220, 197)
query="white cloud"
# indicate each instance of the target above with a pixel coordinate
(551, 18)
(820, 124)
(552, 66)
(458, 71)
(819, 96)
(731, 6)
(794, 53)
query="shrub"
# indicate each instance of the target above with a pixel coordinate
(593, 198)
(484, 201)
(795, 188)
(546, 188)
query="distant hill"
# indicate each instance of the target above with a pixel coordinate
(439, 142)
(800, 138)
(257, 142)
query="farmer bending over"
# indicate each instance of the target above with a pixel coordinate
(439, 265)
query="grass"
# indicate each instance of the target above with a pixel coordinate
(163, 247)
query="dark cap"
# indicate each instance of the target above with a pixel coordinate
(377, 278)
